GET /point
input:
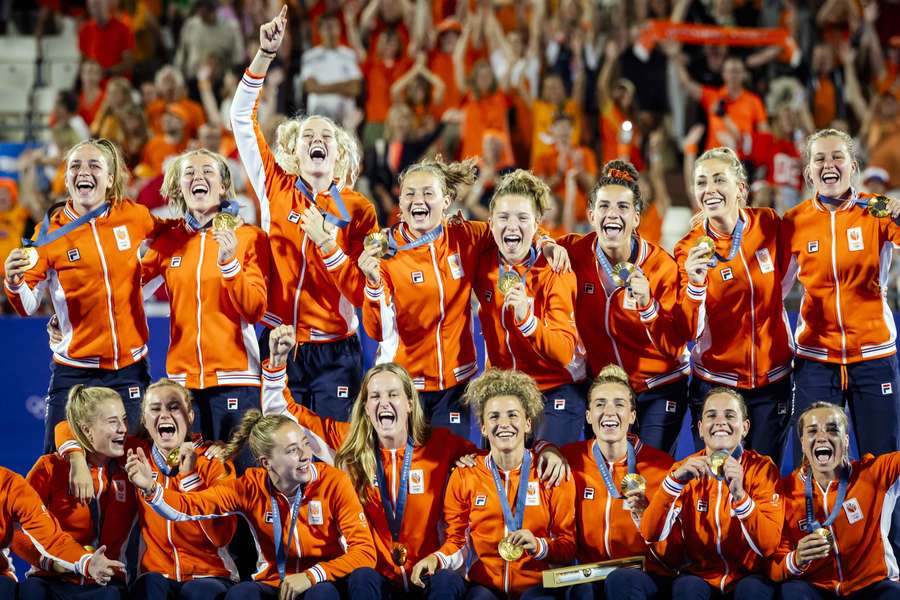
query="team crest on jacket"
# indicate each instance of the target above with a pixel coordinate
(456, 269)
(73, 254)
(119, 487)
(533, 498)
(855, 239)
(416, 481)
(123, 241)
(853, 511)
(315, 513)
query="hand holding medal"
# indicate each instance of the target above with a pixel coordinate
(369, 260)
(513, 546)
(884, 206)
(698, 259)
(639, 287)
(19, 261)
(224, 226)
(376, 244)
(814, 546)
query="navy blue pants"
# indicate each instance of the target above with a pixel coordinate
(369, 583)
(130, 382)
(623, 584)
(251, 590)
(153, 586)
(752, 587)
(769, 409)
(480, 592)
(7, 588)
(445, 409)
(563, 420)
(801, 590)
(41, 588)
(323, 376)
(660, 411)
(218, 410)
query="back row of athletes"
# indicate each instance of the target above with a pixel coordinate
(563, 310)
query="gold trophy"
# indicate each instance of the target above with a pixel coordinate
(508, 281)
(633, 481)
(224, 222)
(622, 272)
(825, 534)
(878, 207)
(509, 551)
(31, 254)
(377, 244)
(717, 462)
(557, 578)
(708, 244)
(399, 554)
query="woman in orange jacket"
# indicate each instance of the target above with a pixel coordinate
(86, 255)
(743, 339)
(628, 310)
(837, 245)
(309, 527)
(96, 416)
(214, 269)
(179, 560)
(527, 310)
(418, 289)
(615, 475)
(516, 526)
(724, 501)
(833, 543)
(316, 226)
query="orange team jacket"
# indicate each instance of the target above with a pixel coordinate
(741, 301)
(23, 513)
(330, 520)
(841, 258)
(94, 280)
(723, 540)
(648, 343)
(422, 314)
(429, 469)
(606, 529)
(115, 502)
(213, 306)
(471, 506)
(862, 554)
(314, 293)
(545, 344)
(177, 551)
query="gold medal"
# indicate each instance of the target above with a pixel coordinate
(224, 222)
(31, 254)
(878, 207)
(172, 457)
(399, 554)
(717, 462)
(509, 551)
(633, 481)
(622, 272)
(508, 281)
(825, 534)
(376, 243)
(708, 245)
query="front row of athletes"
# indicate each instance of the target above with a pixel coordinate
(716, 523)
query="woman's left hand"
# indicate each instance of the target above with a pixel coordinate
(525, 539)
(519, 300)
(317, 229)
(893, 207)
(636, 502)
(552, 466)
(697, 264)
(227, 240)
(187, 458)
(639, 287)
(557, 257)
(734, 476)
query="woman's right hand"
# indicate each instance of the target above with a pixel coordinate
(424, 568)
(15, 266)
(812, 547)
(271, 34)
(139, 472)
(281, 340)
(53, 330)
(693, 468)
(697, 264)
(370, 265)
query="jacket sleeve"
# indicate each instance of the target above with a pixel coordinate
(325, 435)
(342, 262)
(690, 296)
(209, 474)
(25, 298)
(39, 480)
(661, 517)
(225, 499)
(761, 511)
(451, 554)
(665, 318)
(41, 530)
(244, 277)
(151, 271)
(379, 314)
(560, 548)
(554, 335)
(120, 519)
(787, 263)
(354, 528)
(783, 564)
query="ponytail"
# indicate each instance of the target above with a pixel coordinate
(452, 176)
(81, 408)
(255, 430)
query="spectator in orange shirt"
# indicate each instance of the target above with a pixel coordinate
(118, 100)
(618, 112)
(423, 92)
(826, 101)
(564, 155)
(12, 217)
(91, 96)
(170, 142)
(544, 111)
(107, 40)
(169, 84)
(733, 112)
(440, 59)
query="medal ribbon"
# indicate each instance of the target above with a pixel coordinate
(604, 470)
(230, 207)
(421, 241)
(513, 523)
(811, 523)
(394, 513)
(280, 553)
(532, 258)
(736, 237)
(161, 463)
(341, 221)
(45, 236)
(604, 262)
(854, 198)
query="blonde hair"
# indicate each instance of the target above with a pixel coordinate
(824, 133)
(171, 186)
(452, 176)
(82, 407)
(497, 382)
(349, 158)
(255, 430)
(286, 136)
(613, 374)
(735, 168)
(114, 163)
(523, 183)
(842, 416)
(356, 455)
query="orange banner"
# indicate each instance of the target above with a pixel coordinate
(696, 34)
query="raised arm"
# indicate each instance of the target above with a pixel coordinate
(459, 56)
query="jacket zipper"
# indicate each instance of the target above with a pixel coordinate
(437, 333)
(199, 306)
(109, 299)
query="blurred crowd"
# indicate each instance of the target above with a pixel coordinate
(557, 86)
